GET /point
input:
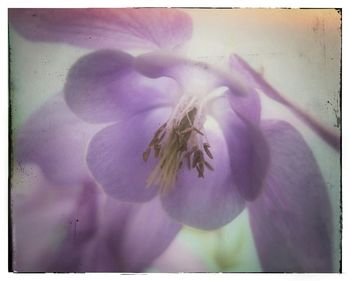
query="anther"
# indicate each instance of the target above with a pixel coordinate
(161, 137)
(176, 141)
(157, 148)
(146, 154)
(207, 151)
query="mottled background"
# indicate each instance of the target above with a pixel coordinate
(299, 53)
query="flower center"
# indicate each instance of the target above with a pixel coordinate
(181, 139)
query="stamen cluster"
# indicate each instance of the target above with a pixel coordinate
(174, 142)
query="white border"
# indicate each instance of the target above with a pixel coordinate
(179, 3)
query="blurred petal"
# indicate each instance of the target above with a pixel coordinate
(56, 140)
(103, 87)
(247, 107)
(247, 147)
(193, 76)
(291, 219)
(115, 156)
(145, 235)
(328, 135)
(208, 202)
(131, 236)
(82, 230)
(50, 225)
(99, 257)
(105, 28)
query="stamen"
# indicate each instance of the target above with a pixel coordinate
(146, 154)
(207, 151)
(180, 139)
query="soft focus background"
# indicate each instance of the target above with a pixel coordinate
(298, 51)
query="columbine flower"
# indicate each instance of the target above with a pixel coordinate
(164, 127)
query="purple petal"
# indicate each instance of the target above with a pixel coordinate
(208, 202)
(131, 237)
(50, 225)
(103, 87)
(99, 257)
(328, 135)
(105, 28)
(247, 107)
(82, 225)
(115, 156)
(81, 230)
(56, 140)
(291, 219)
(248, 149)
(193, 76)
(146, 233)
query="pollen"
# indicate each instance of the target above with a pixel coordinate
(179, 143)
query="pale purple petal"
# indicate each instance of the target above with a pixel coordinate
(131, 236)
(328, 135)
(81, 230)
(146, 233)
(103, 87)
(208, 202)
(82, 225)
(193, 76)
(247, 147)
(115, 156)
(147, 29)
(247, 107)
(99, 257)
(291, 219)
(56, 140)
(50, 225)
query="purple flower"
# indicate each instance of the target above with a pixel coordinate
(162, 130)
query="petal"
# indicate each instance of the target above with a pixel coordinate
(131, 236)
(328, 135)
(105, 28)
(115, 156)
(99, 257)
(248, 149)
(50, 225)
(82, 224)
(56, 140)
(103, 87)
(147, 233)
(249, 106)
(208, 202)
(82, 230)
(246, 107)
(291, 220)
(193, 76)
